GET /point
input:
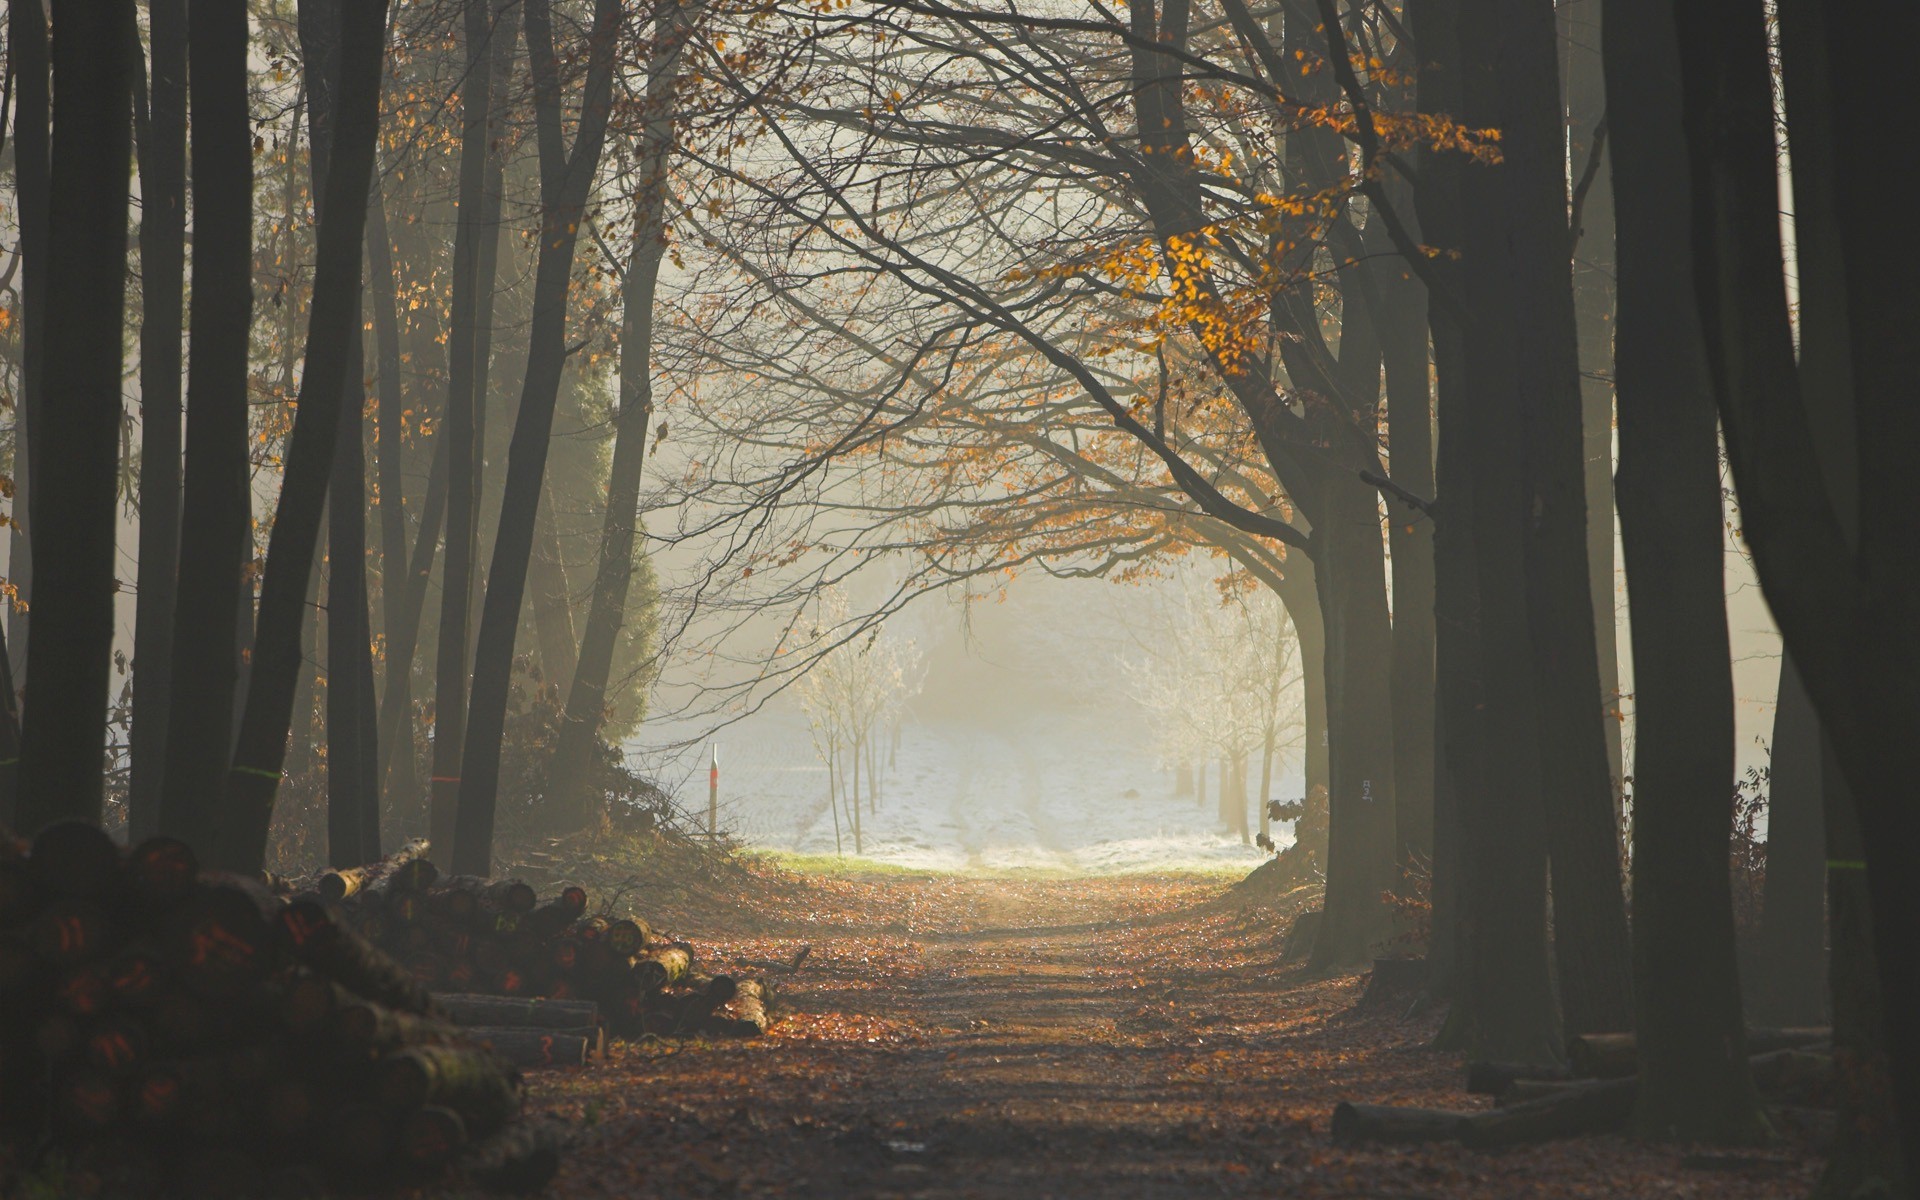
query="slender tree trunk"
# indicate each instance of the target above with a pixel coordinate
(9, 743)
(1591, 943)
(565, 180)
(396, 734)
(383, 290)
(163, 187)
(587, 696)
(1691, 1029)
(1593, 301)
(261, 750)
(551, 599)
(1403, 325)
(28, 60)
(833, 803)
(1791, 989)
(1458, 718)
(299, 756)
(472, 306)
(71, 638)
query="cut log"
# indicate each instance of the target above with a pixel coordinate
(366, 1029)
(661, 967)
(628, 936)
(430, 1140)
(219, 1172)
(1611, 1055)
(75, 859)
(1596, 1106)
(1497, 1079)
(747, 1013)
(512, 895)
(70, 932)
(1358, 1123)
(334, 950)
(501, 1011)
(223, 940)
(472, 1082)
(519, 1160)
(20, 896)
(534, 1048)
(161, 872)
(137, 975)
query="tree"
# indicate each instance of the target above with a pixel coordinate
(565, 179)
(1792, 953)
(72, 639)
(587, 695)
(1694, 1083)
(241, 840)
(163, 201)
(217, 530)
(1824, 525)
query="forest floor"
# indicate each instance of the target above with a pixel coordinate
(1116, 1036)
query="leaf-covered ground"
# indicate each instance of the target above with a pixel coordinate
(1120, 1036)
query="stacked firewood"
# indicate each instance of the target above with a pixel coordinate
(469, 938)
(170, 1031)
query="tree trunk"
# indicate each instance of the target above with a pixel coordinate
(1591, 944)
(565, 180)
(75, 507)
(1361, 859)
(551, 599)
(1509, 991)
(262, 745)
(1867, 1154)
(1403, 336)
(1457, 714)
(28, 61)
(1581, 23)
(163, 187)
(1791, 989)
(472, 307)
(587, 695)
(383, 289)
(1691, 1029)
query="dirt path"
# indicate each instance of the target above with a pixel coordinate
(1109, 1037)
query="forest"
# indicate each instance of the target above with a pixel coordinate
(1387, 399)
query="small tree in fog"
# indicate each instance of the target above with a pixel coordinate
(852, 691)
(1213, 672)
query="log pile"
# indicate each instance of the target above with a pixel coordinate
(171, 1031)
(465, 939)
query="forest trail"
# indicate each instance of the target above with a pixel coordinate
(1115, 1036)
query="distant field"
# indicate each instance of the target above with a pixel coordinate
(1060, 794)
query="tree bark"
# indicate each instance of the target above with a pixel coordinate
(472, 307)
(587, 696)
(551, 600)
(261, 751)
(1847, 617)
(1867, 1154)
(75, 506)
(1693, 1060)
(565, 178)
(163, 188)
(1508, 981)
(28, 59)
(1791, 989)
(1591, 945)
(1581, 23)
(1403, 326)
